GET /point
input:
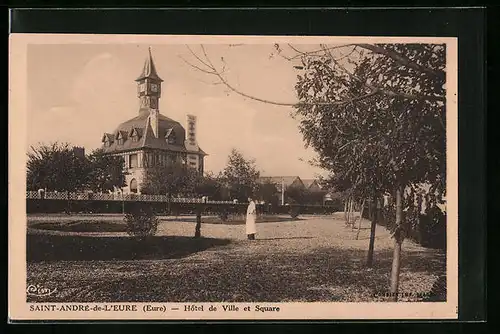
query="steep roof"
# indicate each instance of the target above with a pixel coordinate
(312, 184)
(149, 69)
(308, 182)
(140, 125)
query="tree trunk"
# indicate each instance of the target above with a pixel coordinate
(374, 218)
(351, 214)
(197, 230)
(68, 204)
(169, 204)
(345, 211)
(396, 259)
(360, 218)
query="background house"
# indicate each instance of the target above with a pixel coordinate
(284, 185)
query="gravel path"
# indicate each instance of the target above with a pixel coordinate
(315, 259)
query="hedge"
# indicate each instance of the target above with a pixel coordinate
(165, 208)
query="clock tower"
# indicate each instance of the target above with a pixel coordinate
(151, 139)
(149, 92)
(149, 85)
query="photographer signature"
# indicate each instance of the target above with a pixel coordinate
(39, 291)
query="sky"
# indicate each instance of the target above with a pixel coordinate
(77, 92)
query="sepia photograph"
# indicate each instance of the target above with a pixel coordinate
(210, 174)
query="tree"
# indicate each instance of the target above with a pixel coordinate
(314, 196)
(105, 172)
(376, 116)
(56, 167)
(240, 176)
(211, 186)
(173, 179)
(382, 143)
(267, 192)
(296, 194)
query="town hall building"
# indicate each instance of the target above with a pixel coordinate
(152, 139)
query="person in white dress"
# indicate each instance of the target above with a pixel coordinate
(251, 227)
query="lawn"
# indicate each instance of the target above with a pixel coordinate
(311, 259)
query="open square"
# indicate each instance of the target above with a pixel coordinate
(311, 259)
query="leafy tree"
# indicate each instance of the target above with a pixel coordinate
(390, 136)
(296, 195)
(314, 197)
(211, 186)
(105, 172)
(267, 191)
(240, 176)
(56, 167)
(174, 179)
(376, 115)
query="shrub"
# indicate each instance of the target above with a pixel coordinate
(141, 221)
(294, 211)
(223, 216)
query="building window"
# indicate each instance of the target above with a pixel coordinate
(132, 163)
(133, 186)
(171, 138)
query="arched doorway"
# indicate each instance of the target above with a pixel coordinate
(133, 186)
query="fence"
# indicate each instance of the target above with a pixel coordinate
(75, 196)
(52, 202)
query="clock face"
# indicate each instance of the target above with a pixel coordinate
(154, 88)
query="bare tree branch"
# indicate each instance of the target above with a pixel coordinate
(212, 70)
(312, 53)
(196, 56)
(196, 67)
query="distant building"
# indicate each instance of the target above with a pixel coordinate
(282, 182)
(152, 139)
(317, 194)
(312, 185)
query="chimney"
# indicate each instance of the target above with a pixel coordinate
(153, 120)
(191, 143)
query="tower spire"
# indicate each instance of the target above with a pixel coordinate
(149, 69)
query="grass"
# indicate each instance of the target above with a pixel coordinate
(240, 219)
(311, 260)
(50, 248)
(115, 223)
(82, 226)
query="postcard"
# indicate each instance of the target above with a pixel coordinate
(176, 177)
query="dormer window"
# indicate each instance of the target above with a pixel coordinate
(170, 137)
(135, 134)
(121, 136)
(107, 139)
